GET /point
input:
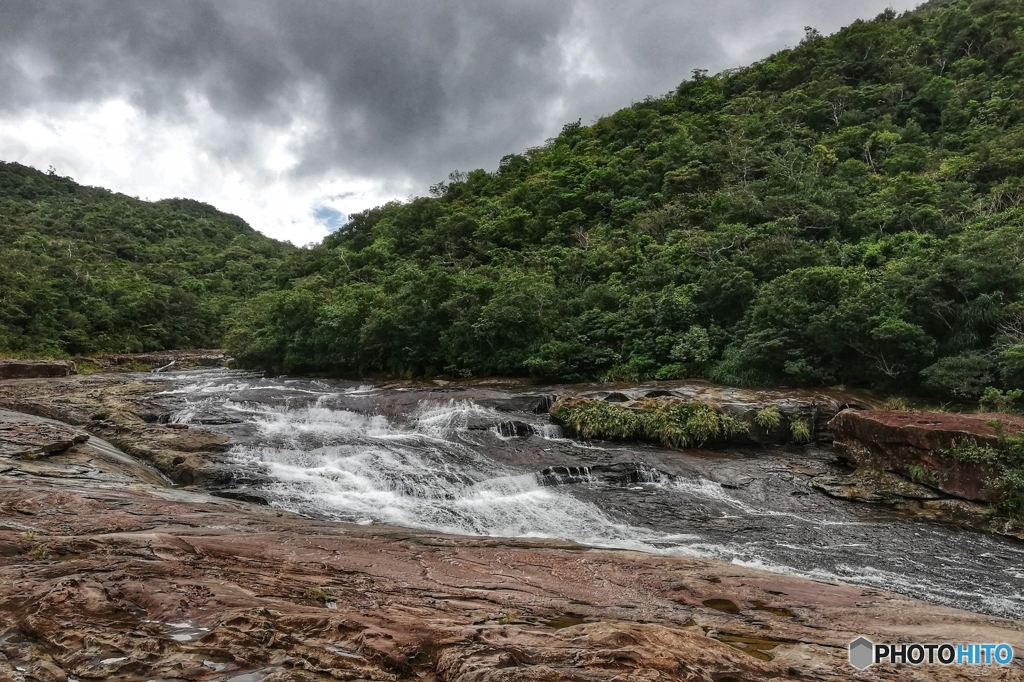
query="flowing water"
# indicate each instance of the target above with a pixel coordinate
(487, 461)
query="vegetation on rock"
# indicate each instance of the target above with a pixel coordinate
(85, 270)
(1007, 456)
(800, 431)
(846, 211)
(768, 418)
(668, 422)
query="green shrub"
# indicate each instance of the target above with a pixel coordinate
(1012, 483)
(801, 432)
(994, 400)
(961, 376)
(768, 418)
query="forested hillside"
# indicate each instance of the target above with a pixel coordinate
(85, 270)
(847, 211)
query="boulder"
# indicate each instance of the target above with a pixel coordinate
(909, 443)
(36, 369)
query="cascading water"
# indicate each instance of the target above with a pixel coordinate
(443, 461)
(340, 465)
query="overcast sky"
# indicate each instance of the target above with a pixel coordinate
(294, 114)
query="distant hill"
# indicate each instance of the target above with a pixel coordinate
(86, 270)
(846, 211)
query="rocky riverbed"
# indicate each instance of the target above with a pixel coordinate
(117, 562)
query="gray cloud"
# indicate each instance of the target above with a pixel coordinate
(387, 89)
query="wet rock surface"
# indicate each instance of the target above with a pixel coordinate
(873, 485)
(128, 412)
(159, 361)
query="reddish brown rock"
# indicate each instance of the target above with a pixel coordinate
(22, 435)
(35, 369)
(121, 410)
(903, 441)
(148, 584)
(86, 399)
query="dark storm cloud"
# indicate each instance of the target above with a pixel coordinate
(394, 89)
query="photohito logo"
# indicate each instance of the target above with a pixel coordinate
(865, 653)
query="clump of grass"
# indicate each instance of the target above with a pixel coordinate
(673, 423)
(801, 432)
(317, 594)
(509, 616)
(919, 473)
(597, 419)
(40, 552)
(768, 418)
(87, 367)
(896, 404)
(963, 450)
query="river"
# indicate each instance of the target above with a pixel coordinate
(486, 461)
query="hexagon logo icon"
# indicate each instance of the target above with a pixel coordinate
(862, 653)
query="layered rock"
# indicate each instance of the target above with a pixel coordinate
(25, 436)
(910, 444)
(123, 411)
(35, 369)
(170, 359)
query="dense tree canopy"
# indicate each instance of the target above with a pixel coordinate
(847, 211)
(85, 270)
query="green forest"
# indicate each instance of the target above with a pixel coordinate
(849, 211)
(85, 270)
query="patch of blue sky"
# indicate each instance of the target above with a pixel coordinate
(331, 218)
